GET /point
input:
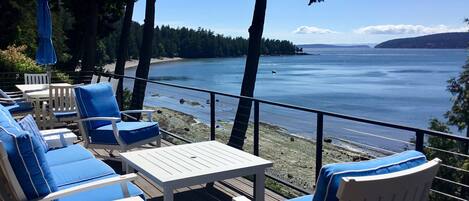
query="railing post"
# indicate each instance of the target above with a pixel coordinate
(256, 127)
(212, 116)
(319, 140)
(419, 137)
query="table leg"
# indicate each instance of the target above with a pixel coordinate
(259, 186)
(168, 194)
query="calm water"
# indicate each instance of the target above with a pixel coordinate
(396, 85)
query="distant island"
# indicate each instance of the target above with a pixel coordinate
(456, 40)
(332, 46)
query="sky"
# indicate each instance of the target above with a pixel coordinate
(328, 22)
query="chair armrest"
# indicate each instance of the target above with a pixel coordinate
(148, 112)
(122, 180)
(7, 101)
(138, 111)
(10, 99)
(14, 93)
(111, 119)
(55, 131)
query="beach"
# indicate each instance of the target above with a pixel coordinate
(134, 63)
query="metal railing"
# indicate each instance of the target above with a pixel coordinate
(420, 134)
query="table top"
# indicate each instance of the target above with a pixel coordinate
(194, 163)
(40, 90)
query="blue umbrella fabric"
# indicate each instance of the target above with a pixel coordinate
(45, 54)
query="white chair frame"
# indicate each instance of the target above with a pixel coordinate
(36, 78)
(114, 83)
(94, 79)
(104, 79)
(408, 185)
(61, 99)
(11, 189)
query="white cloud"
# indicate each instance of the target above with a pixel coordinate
(312, 30)
(407, 29)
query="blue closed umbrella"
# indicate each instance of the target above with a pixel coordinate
(45, 54)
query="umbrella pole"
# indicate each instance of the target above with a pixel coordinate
(49, 74)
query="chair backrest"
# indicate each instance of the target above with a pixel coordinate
(407, 185)
(96, 100)
(94, 79)
(36, 78)
(103, 79)
(62, 99)
(114, 83)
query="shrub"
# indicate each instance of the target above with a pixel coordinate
(13, 59)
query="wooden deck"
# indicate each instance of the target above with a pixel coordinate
(223, 190)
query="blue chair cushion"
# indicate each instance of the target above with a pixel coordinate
(12, 107)
(28, 124)
(96, 100)
(331, 175)
(106, 193)
(62, 115)
(21, 107)
(303, 198)
(69, 154)
(80, 171)
(26, 157)
(130, 132)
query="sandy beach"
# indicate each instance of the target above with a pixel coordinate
(134, 63)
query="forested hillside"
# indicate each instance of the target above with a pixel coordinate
(442, 41)
(194, 43)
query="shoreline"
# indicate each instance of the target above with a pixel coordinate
(293, 155)
(134, 63)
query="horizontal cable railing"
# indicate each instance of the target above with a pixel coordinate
(419, 134)
(316, 121)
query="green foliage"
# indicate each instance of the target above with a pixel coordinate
(18, 24)
(459, 87)
(447, 149)
(191, 43)
(127, 99)
(433, 151)
(14, 59)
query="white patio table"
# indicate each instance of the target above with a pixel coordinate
(37, 94)
(186, 165)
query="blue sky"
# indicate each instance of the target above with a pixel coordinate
(330, 22)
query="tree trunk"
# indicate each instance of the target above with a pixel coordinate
(143, 67)
(243, 112)
(122, 50)
(89, 55)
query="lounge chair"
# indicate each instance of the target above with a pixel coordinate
(403, 176)
(15, 102)
(30, 172)
(101, 125)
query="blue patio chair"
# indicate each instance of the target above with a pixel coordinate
(101, 125)
(406, 173)
(30, 171)
(15, 102)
